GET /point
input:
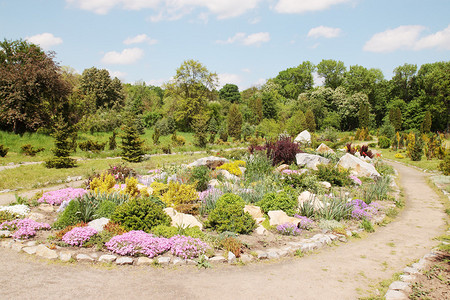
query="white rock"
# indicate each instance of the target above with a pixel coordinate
(163, 260)
(231, 257)
(211, 162)
(84, 257)
(281, 168)
(98, 224)
(218, 259)
(178, 261)
(309, 197)
(357, 166)
(46, 208)
(5, 233)
(410, 270)
(29, 250)
(254, 211)
(304, 137)
(261, 254)
(243, 169)
(227, 175)
(36, 216)
(278, 217)
(108, 258)
(245, 258)
(65, 256)
(260, 230)
(213, 183)
(271, 253)
(17, 246)
(399, 286)
(324, 149)
(124, 260)
(143, 261)
(170, 211)
(185, 221)
(325, 184)
(395, 295)
(43, 251)
(191, 262)
(31, 243)
(310, 160)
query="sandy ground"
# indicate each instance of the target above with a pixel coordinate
(343, 272)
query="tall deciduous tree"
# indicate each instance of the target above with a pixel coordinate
(230, 92)
(234, 122)
(32, 90)
(332, 71)
(395, 117)
(294, 81)
(310, 121)
(364, 115)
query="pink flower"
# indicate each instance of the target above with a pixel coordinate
(58, 196)
(355, 179)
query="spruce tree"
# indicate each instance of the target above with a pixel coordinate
(310, 121)
(426, 124)
(132, 144)
(395, 116)
(234, 122)
(63, 146)
(296, 124)
(364, 115)
(112, 141)
(200, 127)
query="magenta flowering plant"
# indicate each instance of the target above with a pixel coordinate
(361, 210)
(305, 222)
(288, 229)
(355, 179)
(289, 172)
(79, 235)
(58, 196)
(23, 228)
(187, 247)
(138, 242)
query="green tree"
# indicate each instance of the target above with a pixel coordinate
(256, 108)
(132, 144)
(426, 123)
(364, 115)
(294, 81)
(395, 117)
(296, 124)
(230, 93)
(106, 92)
(200, 127)
(310, 121)
(269, 105)
(32, 90)
(234, 122)
(404, 82)
(332, 71)
(63, 134)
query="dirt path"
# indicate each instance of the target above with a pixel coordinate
(342, 272)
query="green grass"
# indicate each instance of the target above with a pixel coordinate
(14, 143)
(37, 176)
(422, 164)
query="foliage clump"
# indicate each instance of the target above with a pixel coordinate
(279, 201)
(333, 175)
(229, 215)
(132, 145)
(183, 197)
(140, 214)
(233, 167)
(69, 216)
(283, 151)
(63, 147)
(384, 142)
(200, 176)
(29, 150)
(91, 145)
(444, 165)
(3, 150)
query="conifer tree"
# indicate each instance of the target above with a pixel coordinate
(395, 116)
(234, 121)
(112, 141)
(200, 127)
(132, 144)
(364, 115)
(426, 124)
(296, 124)
(63, 146)
(310, 121)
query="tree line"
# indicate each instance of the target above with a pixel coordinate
(35, 92)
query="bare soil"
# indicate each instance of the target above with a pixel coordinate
(344, 272)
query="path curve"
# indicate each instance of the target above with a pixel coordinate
(334, 273)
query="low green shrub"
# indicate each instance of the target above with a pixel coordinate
(105, 209)
(170, 231)
(3, 150)
(303, 181)
(200, 175)
(384, 142)
(367, 225)
(7, 216)
(69, 216)
(29, 150)
(237, 154)
(99, 240)
(257, 166)
(333, 175)
(183, 197)
(140, 214)
(444, 166)
(91, 145)
(279, 201)
(229, 215)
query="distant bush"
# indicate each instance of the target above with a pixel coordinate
(140, 214)
(29, 150)
(444, 165)
(3, 150)
(229, 215)
(233, 167)
(177, 140)
(283, 151)
(91, 145)
(200, 176)
(384, 142)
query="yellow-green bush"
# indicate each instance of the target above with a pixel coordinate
(399, 155)
(233, 167)
(183, 197)
(104, 183)
(132, 188)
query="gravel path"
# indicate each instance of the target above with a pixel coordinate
(343, 272)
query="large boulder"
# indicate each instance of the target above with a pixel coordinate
(254, 211)
(358, 166)
(303, 138)
(227, 175)
(278, 217)
(182, 220)
(211, 162)
(310, 160)
(98, 224)
(324, 149)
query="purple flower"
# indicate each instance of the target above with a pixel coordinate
(24, 228)
(138, 242)
(79, 235)
(305, 222)
(58, 196)
(187, 247)
(362, 210)
(355, 179)
(288, 229)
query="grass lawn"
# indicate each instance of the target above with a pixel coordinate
(423, 163)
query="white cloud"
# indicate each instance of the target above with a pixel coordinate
(318, 81)
(323, 31)
(126, 57)
(158, 82)
(407, 38)
(260, 82)
(246, 70)
(121, 75)
(45, 40)
(141, 38)
(252, 39)
(225, 78)
(170, 9)
(301, 6)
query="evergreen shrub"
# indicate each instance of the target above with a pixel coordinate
(384, 142)
(29, 150)
(279, 201)
(3, 150)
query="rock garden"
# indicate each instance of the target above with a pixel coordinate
(265, 202)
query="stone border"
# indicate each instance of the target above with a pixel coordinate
(41, 250)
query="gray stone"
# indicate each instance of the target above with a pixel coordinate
(5, 233)
(260, 230)
(38, 217)
(191, 262)
(419, 265)
(277, 217)
(108, 258)
(144, 261)
(245, 258)
(30, 243)
(163, 260)
(46, 208)
(310, 160)
(304, 137)
(324, 149)
(214, 183)
(325, 184)
(185, 221)
(407, 278)
(178, 261)
(311, 198)
(357, 166)
(84, 257)
(98, 224)
(29, 250)
(231, 257)
(227, 175)
(399, 286)
(43, 251)
(395, 295)
(170, 211)
(65, 256)
(124, 260)
(211, 162)
(271, 253)
(410, 270)
(218, 259)
(261, 254)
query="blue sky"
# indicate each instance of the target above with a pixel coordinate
(244, 41)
